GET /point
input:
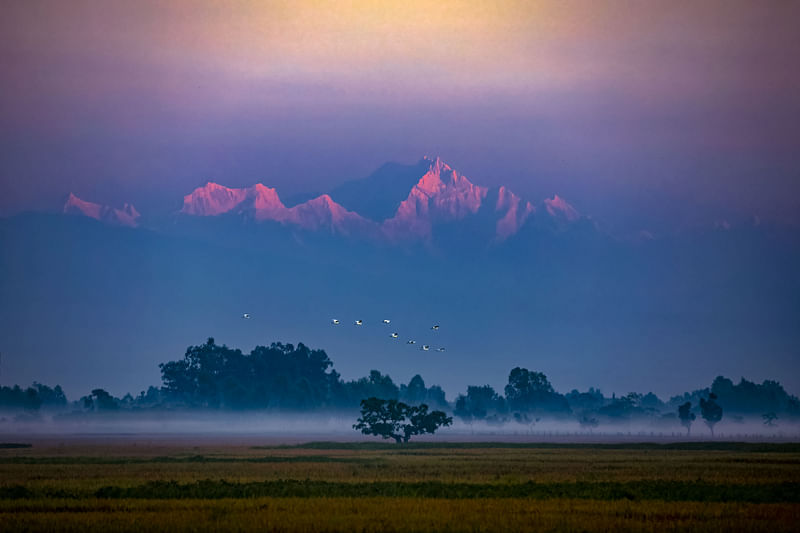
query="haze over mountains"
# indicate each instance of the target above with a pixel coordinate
(398, 203)
(511, 281)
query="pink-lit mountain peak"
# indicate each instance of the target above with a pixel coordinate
(324, 212)
(439, 194)
(213, 199)
(75, 204)
(262, 203)
(514, 211)
(127, 216)
(450, 191)
(441, 178)
(558, 207)
(322, 206)
(264, 199)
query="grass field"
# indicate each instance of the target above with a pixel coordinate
(164, 485)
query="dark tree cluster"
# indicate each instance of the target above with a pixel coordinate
(32, 398)
(281, 376)
(289, 377)
(278, 376)
(748, 397)
(528, 396)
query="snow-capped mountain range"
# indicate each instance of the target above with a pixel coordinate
(439, 194)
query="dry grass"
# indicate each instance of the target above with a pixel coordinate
(80, 470)
(395, 514)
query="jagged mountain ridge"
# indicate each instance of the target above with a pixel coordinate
(403, 204)
(127, 216)
(439, 195)
(262, 203)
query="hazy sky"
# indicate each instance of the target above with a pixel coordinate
(637, 112)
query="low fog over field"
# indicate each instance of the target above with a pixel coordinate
(294, 392)
(304, 427)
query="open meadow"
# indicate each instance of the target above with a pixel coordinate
(69, 484)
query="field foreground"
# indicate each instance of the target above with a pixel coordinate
(81, 485)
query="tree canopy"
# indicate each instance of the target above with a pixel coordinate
(298, 378)
(398, 420)
(711, 411)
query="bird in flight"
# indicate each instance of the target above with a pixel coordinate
(334, 321)
(386, 321)
(435, 327)
(246, 315)
(412, 341)
(395, 335)
(359, 322)
(425, 347)
(440, 349)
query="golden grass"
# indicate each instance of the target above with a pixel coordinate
(461, 465)
(85, 467)
(394, 514)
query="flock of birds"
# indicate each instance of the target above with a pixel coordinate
(395, 335)
(386, 322)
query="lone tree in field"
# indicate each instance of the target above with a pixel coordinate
(397, 420)
(711, 411)
(686, 416)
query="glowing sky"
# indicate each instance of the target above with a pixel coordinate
(638, 112)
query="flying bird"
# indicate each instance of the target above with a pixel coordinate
(386, 321)
(440, 349)
(411, 342)
(425, 347)
(246, 315)
(435, 327)
(395, 335)
(335, 322)
(359, 322)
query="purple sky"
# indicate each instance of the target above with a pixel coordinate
(643, 114)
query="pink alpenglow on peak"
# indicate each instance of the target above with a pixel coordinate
(558, 207)
(263, 204)
(323, 213)
(212, 199)
(515, 213)
(127, 216)
(441, 194)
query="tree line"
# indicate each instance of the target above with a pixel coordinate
(288, 377)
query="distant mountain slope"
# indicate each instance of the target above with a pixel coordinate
(378, 196)
(127, 216)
